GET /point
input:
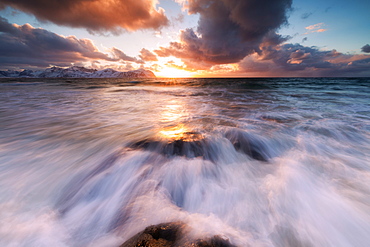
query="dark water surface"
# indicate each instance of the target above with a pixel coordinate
(261, 162)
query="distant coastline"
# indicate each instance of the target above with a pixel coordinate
(76, 72)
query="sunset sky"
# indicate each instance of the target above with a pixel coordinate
(182, 38)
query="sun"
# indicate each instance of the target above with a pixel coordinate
(170, 72)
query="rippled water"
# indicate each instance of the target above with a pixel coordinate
(261, 162)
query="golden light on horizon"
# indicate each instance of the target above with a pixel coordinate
(171, 72)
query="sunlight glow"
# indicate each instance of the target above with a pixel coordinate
(170, 72)
(176, 132)
(173, 118)
(180, 132)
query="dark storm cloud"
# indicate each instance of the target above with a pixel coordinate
(147, 55)
(365, 48)
(298, 60)
(228, 30)
(28, 46)
(298, 57)
(95, 15)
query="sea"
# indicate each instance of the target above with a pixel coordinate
(256, 161)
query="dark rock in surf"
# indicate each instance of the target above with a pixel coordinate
(171, 234)
(180, 147)
(202, 147)
(215, 241)
(159, 235)
(248, 144)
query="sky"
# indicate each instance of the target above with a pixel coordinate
(189, 38)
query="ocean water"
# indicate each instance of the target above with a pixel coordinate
(260, 162)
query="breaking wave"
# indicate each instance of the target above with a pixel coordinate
(282, 164)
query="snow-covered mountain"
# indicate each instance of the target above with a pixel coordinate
(78, 72)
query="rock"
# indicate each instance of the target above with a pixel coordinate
(172, 235)
(248, 144)
(189, 149)
(215, 241)
(161, 235)
(197, 146)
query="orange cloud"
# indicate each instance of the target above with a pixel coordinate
(316, 28)
(147, 55)
(97, 15)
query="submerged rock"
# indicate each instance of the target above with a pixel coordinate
(172, 235)
(189, 149)
(192, 147)
(248, 144)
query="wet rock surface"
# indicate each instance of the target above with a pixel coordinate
(202, 147)
(172, 234)
(189, 149)
(248, 144)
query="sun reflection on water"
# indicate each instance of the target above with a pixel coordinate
(174, 116)
(176, 132)
(179, 132)
(173, 112)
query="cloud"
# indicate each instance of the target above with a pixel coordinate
(228, 30)
(147, 55)
(299, 60)
(120, 55)
(306, 15)
(316, 28)
(366, 48)
(28, 46)
(95, 15)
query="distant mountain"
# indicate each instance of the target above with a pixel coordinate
(78, 72)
